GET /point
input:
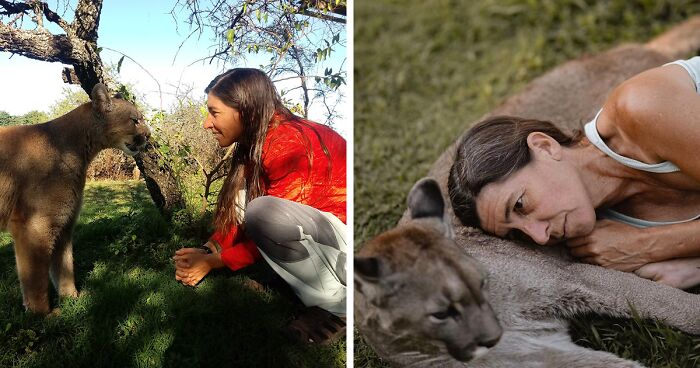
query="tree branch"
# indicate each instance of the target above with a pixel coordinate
(87, 19)
(41, 45)
(324, 5)
(22, 8)
(160, 90)
(14, 8)
(323, 16)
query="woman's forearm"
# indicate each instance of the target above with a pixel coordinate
(214, 260)
(673, 241)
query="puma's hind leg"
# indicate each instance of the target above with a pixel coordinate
(61, 269)
(34, 242)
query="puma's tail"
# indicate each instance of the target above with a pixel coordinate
(681, 41)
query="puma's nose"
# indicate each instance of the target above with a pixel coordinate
(490, 343)
(145, 132)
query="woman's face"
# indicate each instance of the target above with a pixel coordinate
(224, 121)
(545, 200)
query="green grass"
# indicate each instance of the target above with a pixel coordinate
(132, 312)
(424, 71)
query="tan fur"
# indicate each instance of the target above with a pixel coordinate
(422, 271)
(42, 176)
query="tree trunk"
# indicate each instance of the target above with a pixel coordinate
(160, 181)
(78, 47)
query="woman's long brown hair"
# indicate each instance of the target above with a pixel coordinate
(252, 93)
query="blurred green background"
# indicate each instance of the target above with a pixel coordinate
(426, 70)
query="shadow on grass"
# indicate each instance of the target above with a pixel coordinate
(132, 312)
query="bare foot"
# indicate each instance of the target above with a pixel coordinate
(316, 326)
(682, 273)
(191, 265)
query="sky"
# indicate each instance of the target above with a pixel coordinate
(145, 31)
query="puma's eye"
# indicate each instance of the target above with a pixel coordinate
(135, 120)
(445, 314)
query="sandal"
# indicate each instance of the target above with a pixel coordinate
(316, 326)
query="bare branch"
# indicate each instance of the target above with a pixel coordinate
(160, 91)
(38, 7)
(322, 16)
(14, 8)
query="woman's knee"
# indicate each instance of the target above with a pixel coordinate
(262, 211)
(269, 226)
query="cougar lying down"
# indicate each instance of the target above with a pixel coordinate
(532, 289)
(42, 176)
(419, 293)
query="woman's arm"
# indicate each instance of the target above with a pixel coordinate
(236, 250)
(623, 247)
(658, 112)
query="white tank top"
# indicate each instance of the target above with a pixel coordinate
(693, 67)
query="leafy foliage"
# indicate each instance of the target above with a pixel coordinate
(294, 42)
(32, 117)
(71, 98)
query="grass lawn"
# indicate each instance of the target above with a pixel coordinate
(132, 312)
(425, 70)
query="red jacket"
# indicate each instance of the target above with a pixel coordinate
(286, 154)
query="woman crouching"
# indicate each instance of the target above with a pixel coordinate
(283, 200)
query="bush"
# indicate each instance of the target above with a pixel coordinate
(112, 164)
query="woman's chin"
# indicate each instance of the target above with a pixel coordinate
(223, 142)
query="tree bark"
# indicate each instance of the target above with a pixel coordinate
(78, 47)
(160, 181)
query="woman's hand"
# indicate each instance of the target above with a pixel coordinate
(613, 245)
(192, 264)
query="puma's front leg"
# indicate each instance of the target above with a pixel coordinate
(613, 292)
(62, 266)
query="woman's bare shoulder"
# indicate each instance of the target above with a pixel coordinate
(659, 111)
(642, 100)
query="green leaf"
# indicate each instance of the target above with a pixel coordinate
(230, 34)
(119, 64)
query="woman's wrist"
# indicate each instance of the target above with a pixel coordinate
(653, 250)
(214, 260)
(662, 243)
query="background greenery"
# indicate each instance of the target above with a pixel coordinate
(132, 313)
(425, 71)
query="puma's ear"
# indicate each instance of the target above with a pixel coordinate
(425, 200)
(367, 269)
(101, 102)
(374, 280)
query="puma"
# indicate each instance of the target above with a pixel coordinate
(42, 176)
(419, 296)
(532, 289)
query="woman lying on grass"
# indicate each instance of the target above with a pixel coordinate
(624, 196)
(283, 199)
